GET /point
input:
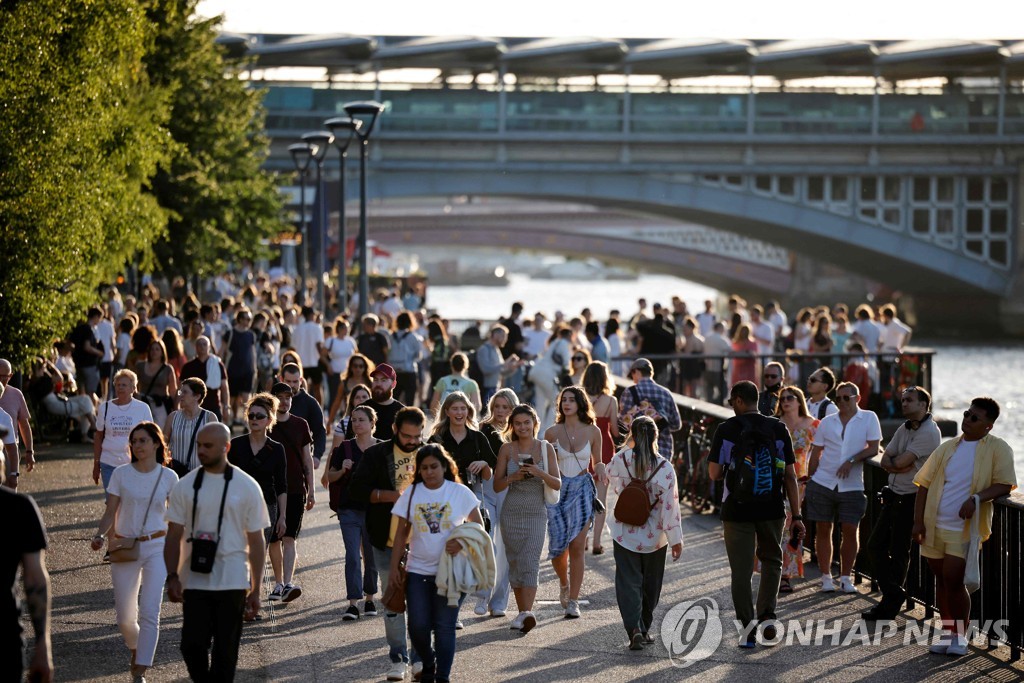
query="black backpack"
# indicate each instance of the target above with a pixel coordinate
(755, 472)
(823, 408)
(473, 369)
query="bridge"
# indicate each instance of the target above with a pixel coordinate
(897, 161)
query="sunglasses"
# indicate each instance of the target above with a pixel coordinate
(578, 358)
(788, 397)
(257, 416)
(846, 398)
(815, 379)
(972, 417)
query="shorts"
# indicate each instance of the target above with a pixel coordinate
(241, 384)
(946, 542)
(313, 375)
(106, 370)
(268, 533)
(294, 509)
(823, 505)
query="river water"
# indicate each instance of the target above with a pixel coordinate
(961, 370)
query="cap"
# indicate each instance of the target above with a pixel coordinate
(281, 388)
(642, 364)
(385, 370)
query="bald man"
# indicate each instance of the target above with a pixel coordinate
(216, 503)
(12, 402)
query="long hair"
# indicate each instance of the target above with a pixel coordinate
(434, 450)
(347, 375)
(522, 409)
(597, 380)
(350, 399)
(505, 393)
(172, 343)
(155, 433)
(160, 345)
(801, 402)
(645, 444)
(584, 410)
(441, 421)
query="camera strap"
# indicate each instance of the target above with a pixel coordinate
(198, 484)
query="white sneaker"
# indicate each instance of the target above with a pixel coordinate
(563, 596)
(573, 610)
(481, 607)
(497, 612)
(957, 648)
(940, 646)
(517, 623)
(846, 585)
(827, 586)
(397, 672)
(417, 671)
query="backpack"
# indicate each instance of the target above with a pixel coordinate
(754, 474)
(823, 408)
(475, 373)
(404, 352)
(634, 505)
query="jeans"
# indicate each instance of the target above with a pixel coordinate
(429, 614)
(394, 624)
(355, 537)
(740, 547)
(216, 616)
(890, 545)
(497, 599)
(638, 581)
(106, 471)
(138, 594)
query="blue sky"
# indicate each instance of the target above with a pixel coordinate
(877, 19)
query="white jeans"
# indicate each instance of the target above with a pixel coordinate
(138, 594)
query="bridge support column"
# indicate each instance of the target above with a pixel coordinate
(817, 283)
(1011, 308)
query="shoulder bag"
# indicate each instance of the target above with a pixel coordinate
(394, 596)
(204, 548)
(127, 549)
(183, 467)
(551, 496)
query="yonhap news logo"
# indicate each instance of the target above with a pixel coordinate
(691, 631)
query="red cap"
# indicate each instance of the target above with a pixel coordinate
(385, 370)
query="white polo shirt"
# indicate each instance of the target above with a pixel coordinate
(840, 445)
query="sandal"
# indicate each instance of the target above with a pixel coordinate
(785, 586)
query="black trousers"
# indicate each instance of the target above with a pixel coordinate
(638, 580)
(405, 388)
(211, 616)
(889, 546)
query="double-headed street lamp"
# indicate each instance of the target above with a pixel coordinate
(367, 113)
(344, 129)
(321, 140)
(302, 154)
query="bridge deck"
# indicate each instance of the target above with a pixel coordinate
(312, 643)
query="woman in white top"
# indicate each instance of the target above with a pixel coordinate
(115, 420)
(640, 550)
(428, 512)
(336, 350)
(577, 443)
(136, 506)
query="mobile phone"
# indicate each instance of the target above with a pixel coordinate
(526, 461)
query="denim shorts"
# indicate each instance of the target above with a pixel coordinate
(823, 505)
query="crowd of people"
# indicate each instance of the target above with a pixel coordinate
(455, 458)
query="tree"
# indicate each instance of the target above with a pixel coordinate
(81, 134)
(221, 202)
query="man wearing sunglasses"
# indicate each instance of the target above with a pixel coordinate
(841, 445)
(890, 540)
(976, 464)
(774, 377)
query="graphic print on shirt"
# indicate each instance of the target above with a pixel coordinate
(433, 517)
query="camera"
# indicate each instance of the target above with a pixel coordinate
(204, 552)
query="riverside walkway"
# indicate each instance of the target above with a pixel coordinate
(310, 642)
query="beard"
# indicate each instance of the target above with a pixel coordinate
(380, 395)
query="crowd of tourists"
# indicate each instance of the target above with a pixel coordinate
(455, 459)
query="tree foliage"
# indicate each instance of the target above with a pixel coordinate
(81, 134)
(222, 202)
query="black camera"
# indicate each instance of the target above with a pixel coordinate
(204, 552)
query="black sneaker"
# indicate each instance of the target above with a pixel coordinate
(351, 614)
(291, 591)
(369, 609)
(636, 641)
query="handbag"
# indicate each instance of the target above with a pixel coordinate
(972, 574)
(394, 596)
(127, 549)
(551, 496)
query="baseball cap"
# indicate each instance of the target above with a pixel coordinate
(642, 364)
(281, 388)
(384, 370)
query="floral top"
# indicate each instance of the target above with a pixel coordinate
(803, 439)
(664, 526)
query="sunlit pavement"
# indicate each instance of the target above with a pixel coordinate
(310, 641)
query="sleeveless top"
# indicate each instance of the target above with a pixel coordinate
(569, 463)
(607, 445)
(178, 441)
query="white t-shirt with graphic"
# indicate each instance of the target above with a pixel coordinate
(116, 422)
(435, 513)
(959, 475)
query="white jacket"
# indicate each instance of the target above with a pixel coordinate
(471, 569)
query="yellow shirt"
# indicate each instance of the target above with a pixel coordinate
(993, 464)
(405, 470)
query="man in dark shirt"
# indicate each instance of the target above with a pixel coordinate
(88, 352)
(774, 378)
(384, 378)
(306, 407)
(372, 343)
(26, 541)
(657, 339)
(760, 518)
(216, 400)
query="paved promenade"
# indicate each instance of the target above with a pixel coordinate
(312, 643)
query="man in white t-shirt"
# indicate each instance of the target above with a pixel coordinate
(535, 338)
(107, 336)
(115, 420)
(977, 464)
(706, 319)
(867, 329)
(10, 440)
(308, 341)
(762, 330)
(221, 503)
(841, 445)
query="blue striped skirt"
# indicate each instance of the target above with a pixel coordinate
(573, 514)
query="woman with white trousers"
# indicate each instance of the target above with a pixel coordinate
(136, 506)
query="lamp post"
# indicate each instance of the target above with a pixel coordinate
(302, 153)
(344, 129)
(322, 141)
(367, 112)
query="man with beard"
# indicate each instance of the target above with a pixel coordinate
(774, 377)
(306, 407)
(384, 378)
(384, 471)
